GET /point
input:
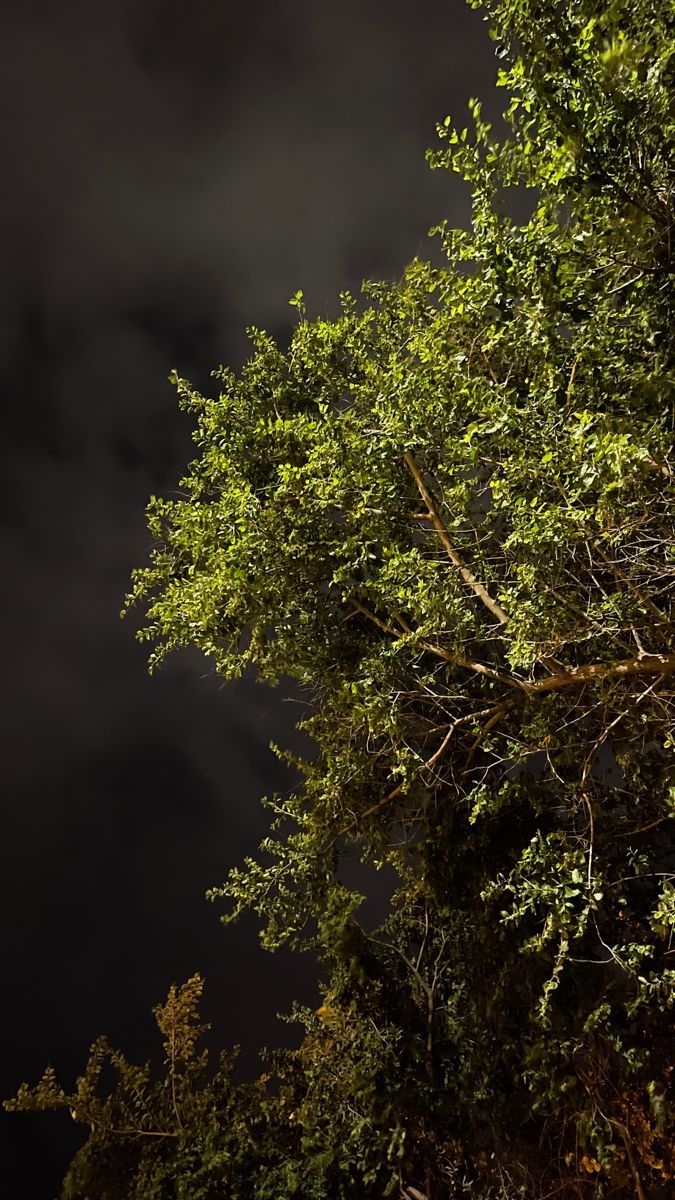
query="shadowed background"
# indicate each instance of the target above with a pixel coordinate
(172, 173)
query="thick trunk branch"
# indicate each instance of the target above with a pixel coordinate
(642, 664)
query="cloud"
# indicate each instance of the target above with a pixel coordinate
(172, 174)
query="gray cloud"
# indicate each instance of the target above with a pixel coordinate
(172, 174)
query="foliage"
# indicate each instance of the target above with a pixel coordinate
(448, 515)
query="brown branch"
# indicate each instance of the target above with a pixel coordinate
(471, 665)
(413, 1193)
(639, 1190)
(662, 664)
(452, 554)
(457, 660)
(500, 713)
(383, 625)
(646, 601)
(644, 828)
(570, 382)
(132, 1132)
(576, 608)
(643, 664)
(499, 710)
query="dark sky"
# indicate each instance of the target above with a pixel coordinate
(172, 172)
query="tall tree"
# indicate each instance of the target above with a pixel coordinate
(448, 516)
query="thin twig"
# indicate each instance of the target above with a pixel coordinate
(632, 587)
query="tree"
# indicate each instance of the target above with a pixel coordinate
(448, 515)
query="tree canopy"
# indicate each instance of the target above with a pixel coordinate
(447, 514)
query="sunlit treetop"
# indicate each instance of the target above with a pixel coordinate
(455, 498)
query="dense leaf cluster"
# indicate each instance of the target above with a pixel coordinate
(448, 515)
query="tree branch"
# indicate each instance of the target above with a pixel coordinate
(495, 712)
(642, 664)
(646, 601)
(452, 554)
(458, 660)
(639, 1190)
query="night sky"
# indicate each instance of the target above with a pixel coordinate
(171, 173)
